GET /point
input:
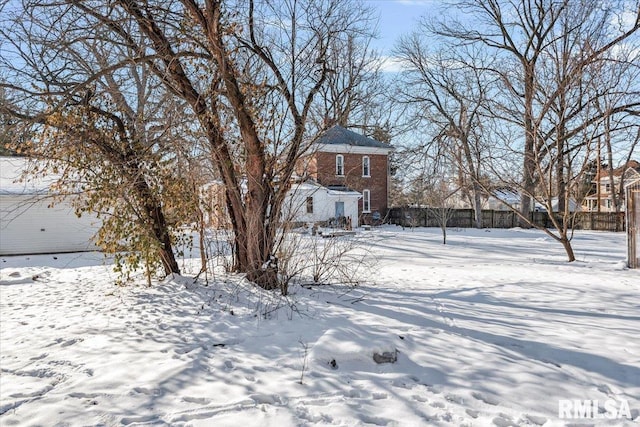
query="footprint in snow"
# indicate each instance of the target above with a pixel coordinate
(472, 413)
(261, 398)
(603, 388)
(454, 398)
(78, 395)
(379, 421)
(535, 419)
(401, 384)
(56, 341)
(71, 342)
(489, 400)
(148, 392)
(38, 393)
(42, 356)
(504, 420)
(185, 350)
(140, 420)
(198, 400)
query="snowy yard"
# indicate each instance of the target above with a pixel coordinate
(493, 329)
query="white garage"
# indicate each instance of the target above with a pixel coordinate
(28, 225)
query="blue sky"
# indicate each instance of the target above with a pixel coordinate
(398, 17)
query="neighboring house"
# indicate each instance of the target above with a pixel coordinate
(30, 221)
(496, 201)
(310, 202)
(601, 200)
(213, 205)
(343, 179)
(343, 160)
(574, 206)
(306, 202)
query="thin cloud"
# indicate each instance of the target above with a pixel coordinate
(390, 64)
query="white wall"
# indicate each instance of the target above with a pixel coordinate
(28, 226)
(323, 204)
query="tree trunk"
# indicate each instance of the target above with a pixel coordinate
(475, 177)
(169, 262)
(202, 239)
(477, 205)
(261, 266)
(253, 239)
(529, 162)
(561, 184)
(566, 243)
(617, 194)
(161, 233)
(155, 219)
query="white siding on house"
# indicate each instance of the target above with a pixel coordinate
(324, 200)
(28, 225)
(495, 201)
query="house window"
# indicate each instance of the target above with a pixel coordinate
(340, 165)
(309, 205)
(607, 188)
(366, 201)
(366, 170)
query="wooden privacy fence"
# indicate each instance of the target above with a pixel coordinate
(464, 218)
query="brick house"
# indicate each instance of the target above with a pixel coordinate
(343, 159)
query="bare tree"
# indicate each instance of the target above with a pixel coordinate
(445, 91)
(619, 129)
(520, 33)
(571, 85)
(249, 74)
(105, 125)
(352, 94)
(546, 54)
(357, 93)
(284, 65)
(440, 194)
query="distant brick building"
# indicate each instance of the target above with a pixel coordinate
(345, 160)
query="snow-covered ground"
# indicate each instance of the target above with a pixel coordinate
(493, 329)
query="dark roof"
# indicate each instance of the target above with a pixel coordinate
(340, 135)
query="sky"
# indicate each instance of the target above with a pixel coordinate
(395, 18)
(398, 17)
